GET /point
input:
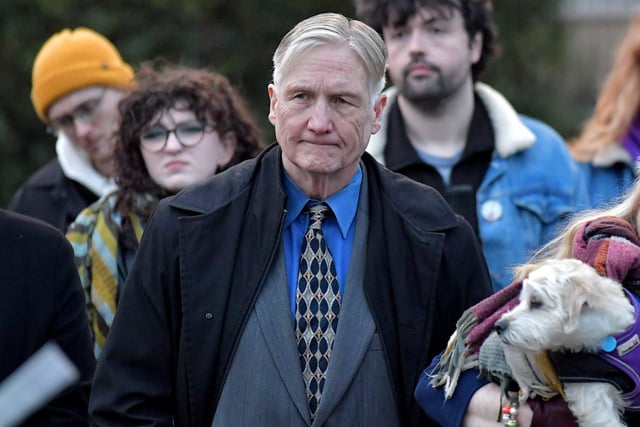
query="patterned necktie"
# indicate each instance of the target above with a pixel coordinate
(317, 307)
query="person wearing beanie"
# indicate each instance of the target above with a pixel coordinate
(78, 78)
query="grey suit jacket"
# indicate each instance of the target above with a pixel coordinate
(265, 387)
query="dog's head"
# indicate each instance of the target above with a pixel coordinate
(565, 304)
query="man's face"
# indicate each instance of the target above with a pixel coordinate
(89, 118)
(322, 113)
(430, 56)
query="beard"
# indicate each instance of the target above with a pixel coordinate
(427, 92)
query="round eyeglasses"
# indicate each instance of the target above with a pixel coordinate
(188, 134)
(84, 113)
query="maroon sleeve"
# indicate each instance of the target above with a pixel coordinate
(552, 412)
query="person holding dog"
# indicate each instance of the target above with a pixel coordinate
(606, 239)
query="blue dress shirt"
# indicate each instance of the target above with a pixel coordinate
(338, 229)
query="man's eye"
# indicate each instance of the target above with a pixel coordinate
(399, 35)
(65, 121)
(86, 108)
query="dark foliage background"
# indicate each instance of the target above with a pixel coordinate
(237, 38)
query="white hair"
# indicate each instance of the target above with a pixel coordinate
(327, 28)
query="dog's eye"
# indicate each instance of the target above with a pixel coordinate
(534, 304)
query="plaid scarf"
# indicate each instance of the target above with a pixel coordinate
(609, 244)
(94, 237)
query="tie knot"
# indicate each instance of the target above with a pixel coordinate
(317, 213)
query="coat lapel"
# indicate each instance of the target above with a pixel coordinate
(224, 285)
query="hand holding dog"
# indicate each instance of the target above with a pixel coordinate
(482, 408)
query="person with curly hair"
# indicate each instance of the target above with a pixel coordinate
(608, 148)
(179, 126)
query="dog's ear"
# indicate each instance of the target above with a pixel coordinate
(575, 309)
(577, 294)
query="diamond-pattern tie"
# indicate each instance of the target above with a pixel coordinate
(317, 307)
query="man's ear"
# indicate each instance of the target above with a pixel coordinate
(378, 108)
(475, 46)
(272, 103)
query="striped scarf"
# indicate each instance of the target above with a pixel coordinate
(94, 236)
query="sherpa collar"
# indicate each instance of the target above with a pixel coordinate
(511, 135)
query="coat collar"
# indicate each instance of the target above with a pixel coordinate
(75, 164)
(259, 174)
(511, 135)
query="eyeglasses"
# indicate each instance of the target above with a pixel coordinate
(188, 134)
(85, 113)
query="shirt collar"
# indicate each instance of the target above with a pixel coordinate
(344, 203)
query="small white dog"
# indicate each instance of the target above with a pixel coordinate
(565, 305)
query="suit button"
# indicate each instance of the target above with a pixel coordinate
(208, 316)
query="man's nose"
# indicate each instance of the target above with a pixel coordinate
(417, 43)
(80, 128)
(320, 120)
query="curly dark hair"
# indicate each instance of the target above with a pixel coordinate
(157, 88)
(477, 14)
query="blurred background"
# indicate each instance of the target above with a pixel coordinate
(554, 56)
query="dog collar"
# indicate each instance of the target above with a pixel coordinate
(624, 354)
(617, 367)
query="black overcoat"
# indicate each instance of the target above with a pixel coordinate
(202, 262)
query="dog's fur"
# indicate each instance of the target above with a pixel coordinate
(566, 305)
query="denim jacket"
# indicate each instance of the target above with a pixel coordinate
(609, 175)
(531, 186)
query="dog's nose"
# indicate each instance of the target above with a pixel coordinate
(501, 326)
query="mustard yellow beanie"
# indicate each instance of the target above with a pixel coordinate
(71, 60)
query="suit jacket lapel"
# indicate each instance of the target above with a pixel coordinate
(276, 323)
